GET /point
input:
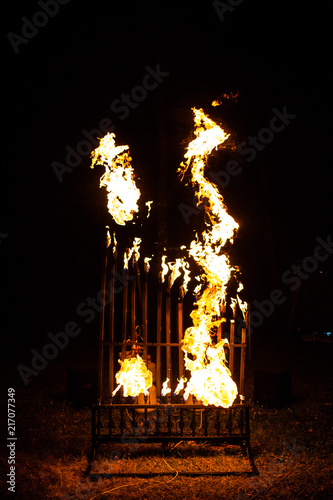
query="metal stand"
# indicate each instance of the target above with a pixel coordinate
(172, 423)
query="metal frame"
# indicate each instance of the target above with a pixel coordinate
(171, 423)
(111, 422)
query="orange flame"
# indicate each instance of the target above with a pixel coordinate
(123, 194)
(146, 264)
(132, 252)
(165, 389)
(134, 377)
(210, 381)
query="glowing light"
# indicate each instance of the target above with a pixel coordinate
(134, 377)
(165, 389)
(180, 386)
(146, 263)
(231, 96)
(210, 381)
(123, 194)
(148, 204)
(165, 269)
(132, 252)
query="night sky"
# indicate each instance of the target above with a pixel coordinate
(67, 77)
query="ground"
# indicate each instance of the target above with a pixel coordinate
(291, 445)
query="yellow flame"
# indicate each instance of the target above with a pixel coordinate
(123, 194)
(148, 204)
(114, 249)
(242, 305)
(180, 386)
(165, 268)
(187, 272)
(134, 377)
(165, 389)
(132, 252)
(146, 263)
(219, 100)
(210, 381)
(176, 267)
(108, 237)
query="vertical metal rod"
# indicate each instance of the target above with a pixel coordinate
(168, 332)
(158, 340)
(180, 333)
(248, 327)
(220, 327)
(232, 348)
(144, 315)
(242, 363)
(133, 299)
(124, 330)
(111, 335)
(101, 329)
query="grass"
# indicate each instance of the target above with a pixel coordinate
(292, 449)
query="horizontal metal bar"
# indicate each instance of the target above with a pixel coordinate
(168, 406)
(162, 344)
(105, 475)
(227, 438)
(149, 344)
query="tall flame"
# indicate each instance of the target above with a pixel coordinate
(210, 381)
(123, 194)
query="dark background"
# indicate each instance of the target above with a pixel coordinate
(64, 80)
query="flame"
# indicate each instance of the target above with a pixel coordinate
(176, 267)
(180, 386)
(219, 100)
(148, 204)
(146, 264)
(242, 305)
(210, 381)
(165, 268)
(165, 389)
(134, 377)
(132, 252)
(108, 237)
(187, 279)
(123, 194)
(114, 248)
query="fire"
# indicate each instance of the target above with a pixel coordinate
(180, 386)
(132, 252)
(146, 263)
(210, 381)
(114, 248)
(165, 269)
(123, 194)
(108, 237)
(148, 205)
(175, 268)
(134, 377)
(165, 389)
(220, 99)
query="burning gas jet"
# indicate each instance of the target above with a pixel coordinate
(210, 380)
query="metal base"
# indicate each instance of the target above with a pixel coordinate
(171, 423)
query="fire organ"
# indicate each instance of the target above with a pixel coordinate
(161, 354)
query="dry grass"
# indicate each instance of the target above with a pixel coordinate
(292, 448)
